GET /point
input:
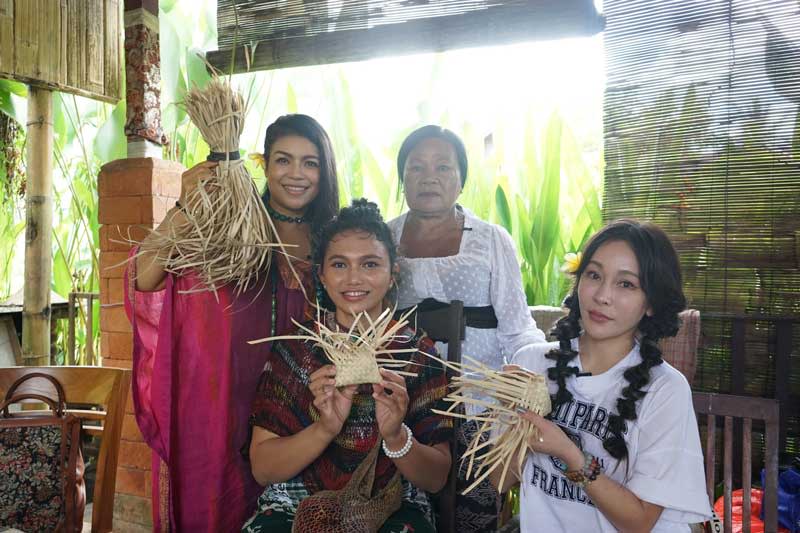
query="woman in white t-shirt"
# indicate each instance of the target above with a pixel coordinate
(621, 449)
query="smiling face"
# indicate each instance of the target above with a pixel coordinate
(292, 174)
(431, 178)
(357, 274)
(610, 293)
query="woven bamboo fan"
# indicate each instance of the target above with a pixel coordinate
(508, 434)
(357, 353)
(228, 237)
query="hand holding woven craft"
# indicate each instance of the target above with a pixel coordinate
(508, 434)
(358, 353)
(227, 235)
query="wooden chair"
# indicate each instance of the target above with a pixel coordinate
(104, 387)
(446, 325)
(748, 409)
(681, 350)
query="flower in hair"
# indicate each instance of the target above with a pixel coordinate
(259, 160)
(572, 261)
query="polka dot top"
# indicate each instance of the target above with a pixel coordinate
(484, 272)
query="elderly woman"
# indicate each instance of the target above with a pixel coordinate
(447, 253)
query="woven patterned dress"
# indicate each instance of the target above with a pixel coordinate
(284, 406)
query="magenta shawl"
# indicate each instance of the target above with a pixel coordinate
(194, 380)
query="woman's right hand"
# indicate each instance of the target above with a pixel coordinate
(332, 403)
(192, 177)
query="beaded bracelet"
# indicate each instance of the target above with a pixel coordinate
(402, 451)
(591, 469)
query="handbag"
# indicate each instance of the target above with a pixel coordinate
(41, 466)
(353, 508)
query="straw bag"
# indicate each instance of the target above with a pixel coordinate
(354, 508)
(41, 466)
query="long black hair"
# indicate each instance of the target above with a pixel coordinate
(361, 215)
(660, 277)
(326, 204)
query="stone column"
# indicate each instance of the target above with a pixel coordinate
(134, 193)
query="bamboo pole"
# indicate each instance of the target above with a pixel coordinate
(38, 229)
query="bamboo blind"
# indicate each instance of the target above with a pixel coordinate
(289, 33)
(72, 46)
(702, 135)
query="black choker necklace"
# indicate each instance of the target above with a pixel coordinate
(280, 216)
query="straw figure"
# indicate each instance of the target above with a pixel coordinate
(510, 391)
(228, 237)
(357, 353)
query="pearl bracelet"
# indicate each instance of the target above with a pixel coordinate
(402, 451)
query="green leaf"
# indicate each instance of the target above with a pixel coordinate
(503, 210)
(62, 277)
(110, 142)
(165, 6)
(291, 99)
(173, 82)
(196, 69)
(545, 229)
(61, 131)
(14, 87)
(12, 103)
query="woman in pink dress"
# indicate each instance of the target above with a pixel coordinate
(194, 374)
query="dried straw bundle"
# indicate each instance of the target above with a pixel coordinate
(357, 354)
(228, 237)
(508, 434)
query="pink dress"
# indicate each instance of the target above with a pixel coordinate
(194, 381)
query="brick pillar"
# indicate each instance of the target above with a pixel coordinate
(133, 193)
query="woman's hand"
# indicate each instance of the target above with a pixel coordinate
(192, 177)
(391, 406)
(333, 404)
(552, 440)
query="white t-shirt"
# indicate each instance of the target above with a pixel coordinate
(484, 272)
(665, 461)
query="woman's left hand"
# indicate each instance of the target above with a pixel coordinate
(391, 405)
(552, 440)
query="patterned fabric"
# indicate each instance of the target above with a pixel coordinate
(286, 497)
(193, 369)
(477, 511)
(31, 480)
(407, 520)
(484, 272)
(284, 406)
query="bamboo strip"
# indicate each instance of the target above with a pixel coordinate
(357, 353)
(227, 237)
(508, 434)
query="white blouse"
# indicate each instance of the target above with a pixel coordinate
(484, 272)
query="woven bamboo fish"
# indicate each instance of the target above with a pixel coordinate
(508, 434)
(357, 353)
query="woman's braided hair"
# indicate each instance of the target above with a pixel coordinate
(660, 278)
